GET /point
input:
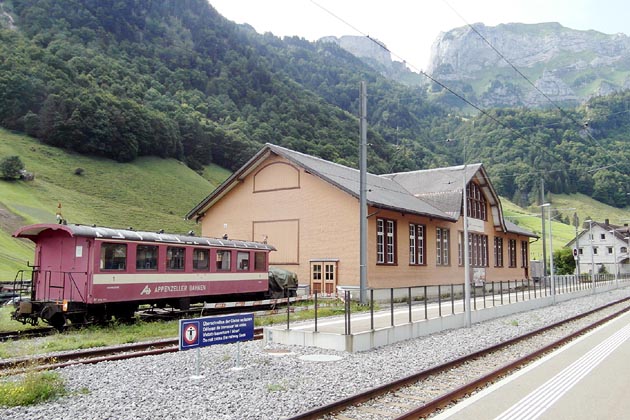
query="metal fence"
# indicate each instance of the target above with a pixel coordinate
(448, 298)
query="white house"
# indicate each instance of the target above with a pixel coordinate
(603, 245)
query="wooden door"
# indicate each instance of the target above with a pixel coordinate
(323, 276)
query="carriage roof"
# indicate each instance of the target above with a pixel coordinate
(99, 232)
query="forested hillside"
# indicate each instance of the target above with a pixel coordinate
(586, 150)
(123, 79)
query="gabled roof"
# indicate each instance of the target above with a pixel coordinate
(382, 192)
(442, 187)
(434, 192)
(620, 232)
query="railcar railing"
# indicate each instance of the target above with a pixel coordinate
(21, 285)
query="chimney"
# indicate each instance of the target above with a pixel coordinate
(607, 222)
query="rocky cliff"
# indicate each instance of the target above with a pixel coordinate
(375, 53)
(567, 65)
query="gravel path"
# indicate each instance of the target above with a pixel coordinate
(274, 382)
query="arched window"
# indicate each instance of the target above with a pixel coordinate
(476, 202)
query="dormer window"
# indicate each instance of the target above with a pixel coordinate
(476, 202)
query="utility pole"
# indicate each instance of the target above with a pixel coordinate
(363, 198)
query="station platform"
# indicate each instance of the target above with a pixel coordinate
(587, 379)
(364, 332)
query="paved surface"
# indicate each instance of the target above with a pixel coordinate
(383, 318)
(588, 379)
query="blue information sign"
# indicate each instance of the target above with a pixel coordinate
(208, 331)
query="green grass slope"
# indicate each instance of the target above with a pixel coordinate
(566, 204)
(149, 194)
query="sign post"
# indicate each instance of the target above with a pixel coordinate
(208, 331)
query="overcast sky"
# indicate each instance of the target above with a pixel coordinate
(409, 27)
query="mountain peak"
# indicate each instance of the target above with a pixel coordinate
(567, 65)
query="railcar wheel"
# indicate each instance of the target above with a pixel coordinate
(58, 321)
(78, 320)
(126, 314)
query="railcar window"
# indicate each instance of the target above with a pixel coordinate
(259, 261)
(113, 256)
(146, 257)
(242, 261)
(200, 259)
(175, 258)
(223, 260)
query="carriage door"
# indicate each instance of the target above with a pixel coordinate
(323, 276)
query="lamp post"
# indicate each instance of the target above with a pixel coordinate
(467, 286)
(576, 223)
(590, 235)
(615, 258)
(553, 282)
(468, 311)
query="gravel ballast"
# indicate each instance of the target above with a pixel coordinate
(272, 382)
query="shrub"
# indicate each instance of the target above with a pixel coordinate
(10, 167)
(33, 388)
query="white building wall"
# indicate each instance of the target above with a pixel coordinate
(608, 246)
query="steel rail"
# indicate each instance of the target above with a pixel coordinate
(375, 392)
(91, 356)
(457, 394)
(16, 335)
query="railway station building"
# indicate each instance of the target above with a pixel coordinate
(308, 208)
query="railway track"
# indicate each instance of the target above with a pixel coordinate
(97, 355)
(424, 393)
(16, 335)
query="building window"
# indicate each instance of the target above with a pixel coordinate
(512, 252)
(442, 246)
(595, 250)
(624, 250)
(385, 241)
(146, 257)
(610, 250)
(175, 258)
(416, 244)
(525, 253)
(113, 256)
(498, 252)
(477, 250)
(201, 259)
(602, 236)
(476, 202)
(581, 251)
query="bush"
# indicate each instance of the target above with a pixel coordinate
(33, 388)
(10, 167)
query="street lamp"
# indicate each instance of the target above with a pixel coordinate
(467, 286)
(553, 282)
(576, 223)
(615, 258)
(590, 234)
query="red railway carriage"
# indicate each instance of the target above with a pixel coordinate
(83, 272)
